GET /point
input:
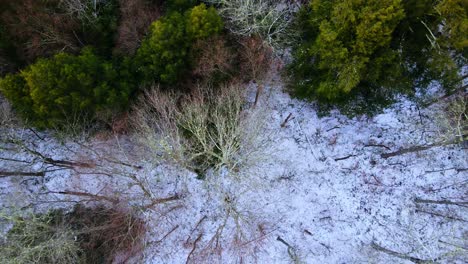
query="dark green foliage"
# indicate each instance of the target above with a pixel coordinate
(202, 22)
(8, 57)
(57, 91)
(430, 52)
(52, 91)
(179, 5)
(100, 32)
(358, 55)
(14, 88)
(454, 13)
(164, 55)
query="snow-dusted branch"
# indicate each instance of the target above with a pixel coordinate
(266, 18)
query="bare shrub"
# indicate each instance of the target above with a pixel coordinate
(84, 235)
(255, 58)
(83, 9)
(216, 61)
(104, 233)
(213, 59)
(38, 29)
(203, 130)
(7, 117)
(39, 239)
(135, 18)
(155, 122)
(234, 230)
(107, 169)
(452, 120)
(10, 124)
(120, 124)
(87, 11)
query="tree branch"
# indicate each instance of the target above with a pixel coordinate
(397, 254)
(4, 174)
(447, 202)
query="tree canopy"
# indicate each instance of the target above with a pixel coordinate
(51, 91)
(164, 55)
(364, 52)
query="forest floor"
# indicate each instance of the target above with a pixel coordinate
(317, 192)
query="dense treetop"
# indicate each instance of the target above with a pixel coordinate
(355, 54)
(368, 51)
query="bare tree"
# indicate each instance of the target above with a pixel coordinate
(85, 10)
(135, 18)
(208, 130)
(266, 18)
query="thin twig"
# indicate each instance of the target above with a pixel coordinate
(291, 252)
(441, 215)
(397, 254)
(330, 129)
(35, 133)
(377, 145)
(418, 148)
(195, 228)
(162, 200)
(447, 202)
(451, 244)
(166, 235)
(346, 157)
(286, 120)
(90, 195)
(193, 248)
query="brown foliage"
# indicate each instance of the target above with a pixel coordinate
(215, 60)
(135, 19)
(255, 58)
(107, 233)
(39, 28)
(120, 124)
(213, 57)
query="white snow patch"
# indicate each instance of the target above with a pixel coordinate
(323, 188)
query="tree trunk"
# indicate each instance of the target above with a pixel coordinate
(257, 95)
(417, 148)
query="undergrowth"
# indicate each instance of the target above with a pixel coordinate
(84, 235)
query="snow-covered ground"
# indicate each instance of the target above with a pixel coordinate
(319, 193)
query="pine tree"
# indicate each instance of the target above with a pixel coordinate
(361, 53)
(164, 55)
(50, 91)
